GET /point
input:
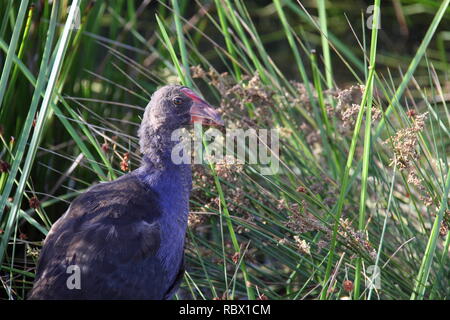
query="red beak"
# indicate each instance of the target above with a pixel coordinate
(201, 111)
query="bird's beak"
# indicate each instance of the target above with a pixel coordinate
(205, 114)
(201, 111)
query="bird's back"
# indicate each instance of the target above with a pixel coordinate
(105, 247)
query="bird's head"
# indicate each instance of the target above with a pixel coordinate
(176, 106)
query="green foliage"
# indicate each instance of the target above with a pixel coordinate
(344, 200)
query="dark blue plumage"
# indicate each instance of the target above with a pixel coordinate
(127, 236)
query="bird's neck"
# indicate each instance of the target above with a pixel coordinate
(167, 177)
(159, 172)
(156, 146)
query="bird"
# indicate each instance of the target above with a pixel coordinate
(124, 239)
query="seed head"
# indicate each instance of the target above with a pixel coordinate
(347, 285)
(4, 166)
(34, 203)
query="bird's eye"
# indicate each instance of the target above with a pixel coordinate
(177, 101)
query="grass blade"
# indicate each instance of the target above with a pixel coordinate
(60, 53)
(12, 49)
(367, 143)
(414, 63)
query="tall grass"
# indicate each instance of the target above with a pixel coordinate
(345, 204)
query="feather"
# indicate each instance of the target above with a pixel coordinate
(112, 233)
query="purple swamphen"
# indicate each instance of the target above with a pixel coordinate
(124, 239)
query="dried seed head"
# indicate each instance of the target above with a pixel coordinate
(236, 257)
(195, 220)
(443, 230)
(262, 296)
(302, 245)
(124, 164)
(347, 285)
(405, 141)
(4, 166)
(198, 72)
(33, 252)
(34, 203)
(105, 147)
(411, 113)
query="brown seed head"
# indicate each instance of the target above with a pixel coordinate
(347, 285)
(34, 203)
(4, 166)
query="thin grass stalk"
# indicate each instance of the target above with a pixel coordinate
(234, 241)
(34, 144)
(383, 232)
(228, 42)
(441, 272)
(345, 180)
(325, 46)
(328, 132)
(205, 270)
(5, 18)
(335, 43)
(21, 51)
(12, 49)
(427, 260)
(414, 64)
(228, 220)
(171, 50)
(367, 145)
(25, 71)
(181, 43)
(272, 71)
(440, 44)
(249, 48)
(39, 85)
(8, 148)
(295, 51)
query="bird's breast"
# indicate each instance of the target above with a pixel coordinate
(172, 186)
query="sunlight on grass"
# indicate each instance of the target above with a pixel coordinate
(345, 205)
